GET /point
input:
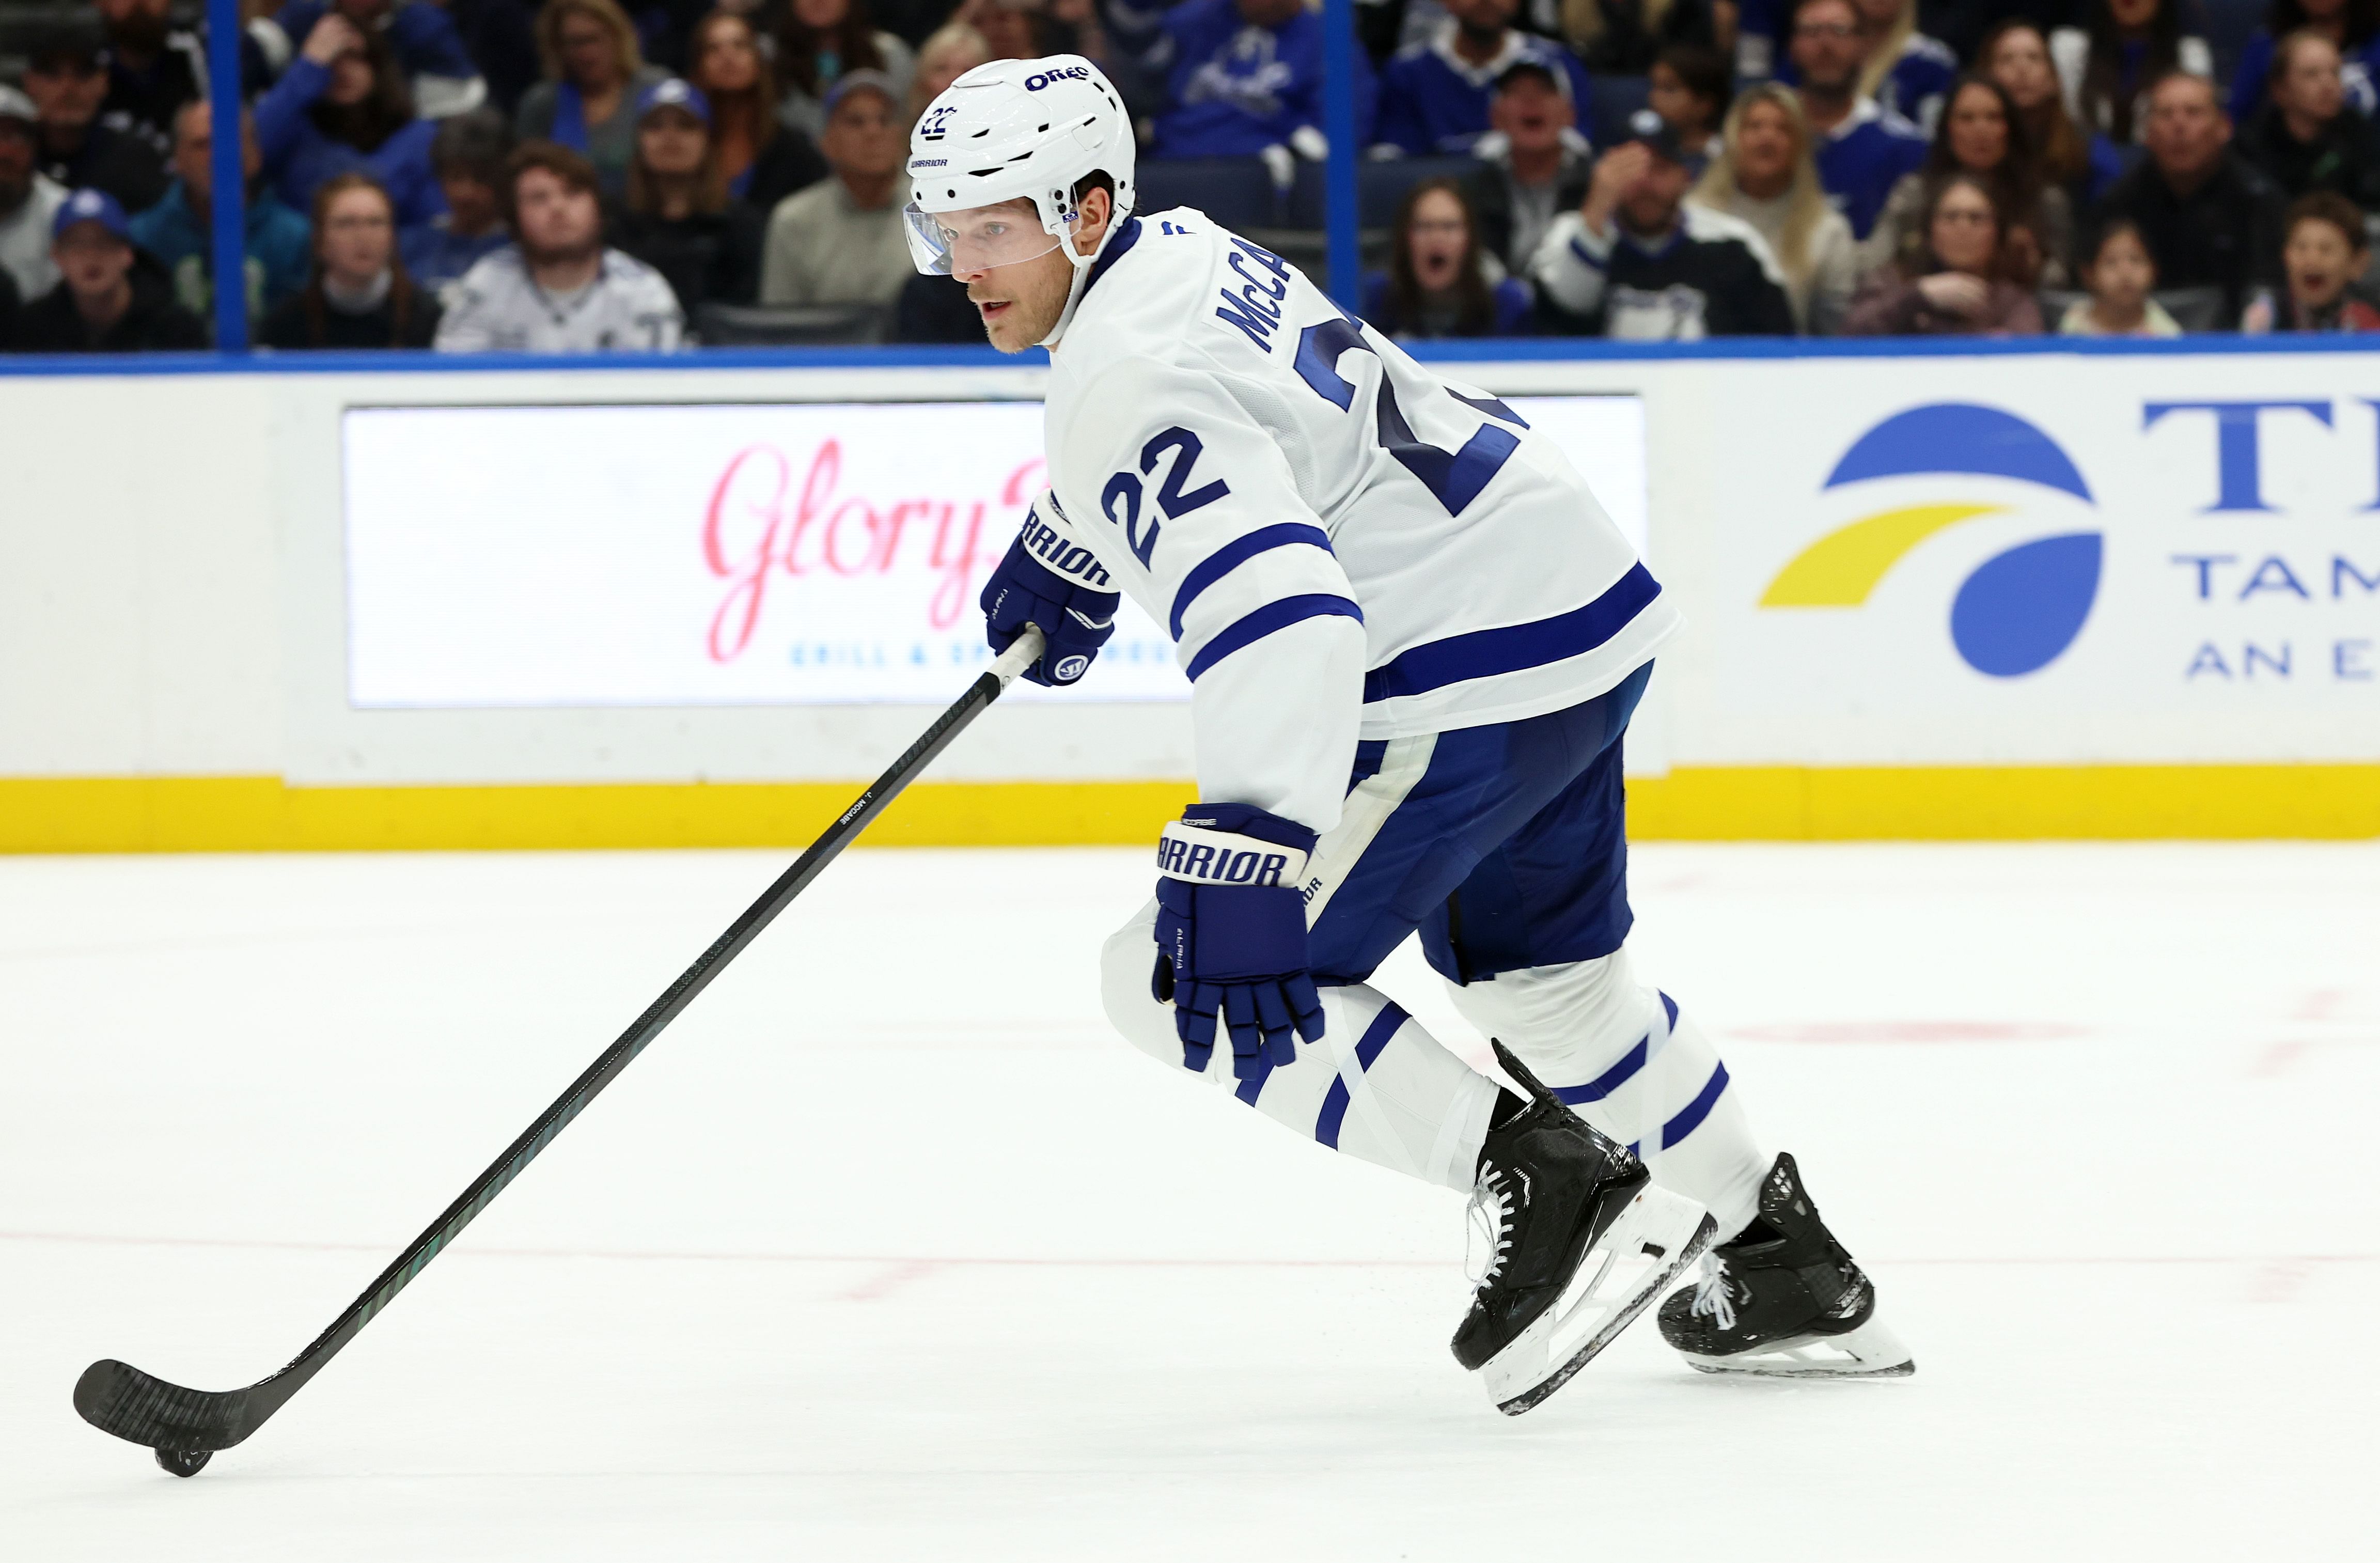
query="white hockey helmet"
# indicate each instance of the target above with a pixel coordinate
(1008, 130)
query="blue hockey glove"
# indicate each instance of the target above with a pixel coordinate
(1231, 936)
(1075, 616)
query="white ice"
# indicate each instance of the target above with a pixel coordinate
(888, 1249)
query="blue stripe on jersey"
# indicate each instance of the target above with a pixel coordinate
(1513, 647)
(1610, 1080)
(1334, 1106)
(1228, 557)
(1690, 1118)
(1670, 1005)
(1272, 616)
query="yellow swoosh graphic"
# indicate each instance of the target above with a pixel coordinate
(1841, 568)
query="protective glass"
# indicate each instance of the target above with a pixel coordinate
(977, 238)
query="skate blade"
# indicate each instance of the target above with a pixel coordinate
(1638, 1257)
(1870, 1351)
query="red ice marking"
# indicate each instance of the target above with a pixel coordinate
(2321, 1004)
(2280, 1280)
(1911, 1031)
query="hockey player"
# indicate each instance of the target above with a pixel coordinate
(1413, 641)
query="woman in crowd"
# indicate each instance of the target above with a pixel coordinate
(359, 297)
(1624, 37)
(2121, 274)
(819, 40)
(1958, 286)
(1016, 29)
(2307, 137)
(1764, 174)
(594, 72)
(343, 106)
(1982, 134)
(1907, 73)
(762, 159)
(2352, 26)
(2107, 67)
(953, 50)
(1438, 283)
(1689, 87)
(2084, 165)
(677, 217)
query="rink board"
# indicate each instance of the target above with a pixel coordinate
(2007, 591)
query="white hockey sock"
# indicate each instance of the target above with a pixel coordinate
(1628, 1061)
(1377, 1085)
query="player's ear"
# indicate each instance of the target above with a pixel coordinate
(1092, 225)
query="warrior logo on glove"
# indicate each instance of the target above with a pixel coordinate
(1231, 936)
(1045, 581)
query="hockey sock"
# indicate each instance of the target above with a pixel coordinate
(1377, 1085)
(1628, 1061)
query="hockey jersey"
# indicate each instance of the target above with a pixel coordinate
(1861, 160)
(1434, 103)
(1341, 543)
(1234, 88)
(1711, 275)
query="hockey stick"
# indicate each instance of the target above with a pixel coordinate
(185, 1426)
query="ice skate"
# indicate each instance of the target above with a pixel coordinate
(1578, 1243)
(1782, 1299)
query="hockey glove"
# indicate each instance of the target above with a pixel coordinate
(1076, 618)
(1231, 936)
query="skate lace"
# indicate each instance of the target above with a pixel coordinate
(1490, 1223)
(1713, 1299)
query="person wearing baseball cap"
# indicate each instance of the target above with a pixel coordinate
(107, 300)
(1532, 164)
(678, 216)
(28, 198)
(1636, 262)
(844, 239)
(65, 75)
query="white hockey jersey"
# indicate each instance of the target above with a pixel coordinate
(1341, 543)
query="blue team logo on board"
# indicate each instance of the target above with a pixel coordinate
(2017, 612)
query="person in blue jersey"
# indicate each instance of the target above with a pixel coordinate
(1904, 71)
(1243, 78)
(1862, 150)
(1434, 96)
(1414, 640)
(422, 39)
(1438, 283)
(2353, 29)
(2123, 48)
(344, 107)
(466, 156)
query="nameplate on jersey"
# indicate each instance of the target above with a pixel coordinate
(1061, 555)
(1220, 857)
(1253, 303)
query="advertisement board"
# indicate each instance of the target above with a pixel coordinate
(727, 554)
(2109, 558)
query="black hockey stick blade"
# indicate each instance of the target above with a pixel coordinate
(187, 1426)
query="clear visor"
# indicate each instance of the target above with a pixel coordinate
(977, 239)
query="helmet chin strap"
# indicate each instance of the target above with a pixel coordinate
(1083, 264)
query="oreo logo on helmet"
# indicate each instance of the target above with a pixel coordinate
(1035, 82)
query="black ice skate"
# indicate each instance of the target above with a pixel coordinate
(1579, 1243)
(1782, 1299)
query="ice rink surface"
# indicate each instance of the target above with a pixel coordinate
(888, 1249)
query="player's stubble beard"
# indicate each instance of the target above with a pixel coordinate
(1034, 292)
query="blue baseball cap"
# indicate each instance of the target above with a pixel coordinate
(92, 206)
(677, 94)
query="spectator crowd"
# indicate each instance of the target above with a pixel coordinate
(643, 175)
